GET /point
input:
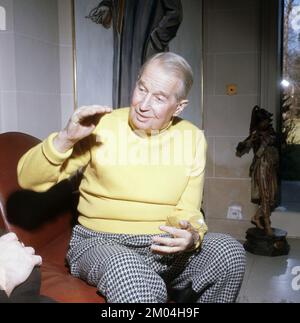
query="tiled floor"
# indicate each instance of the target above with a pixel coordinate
(271, 280)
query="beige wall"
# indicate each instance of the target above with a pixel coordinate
(8, 97)
(36, 66)
(189, 43)
(65, 15)
(231, 56)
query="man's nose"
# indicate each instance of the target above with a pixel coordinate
(146, 102)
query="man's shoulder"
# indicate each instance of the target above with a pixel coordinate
(183, 124)
(190, 130)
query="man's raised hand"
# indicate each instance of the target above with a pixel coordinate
(81, 125)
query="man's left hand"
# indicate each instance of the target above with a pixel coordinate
(183, 239)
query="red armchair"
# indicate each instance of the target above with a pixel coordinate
(50, 239)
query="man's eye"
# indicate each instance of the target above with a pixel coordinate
(142, 89)
(159, 99)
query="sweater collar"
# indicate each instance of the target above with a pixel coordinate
(143, 134)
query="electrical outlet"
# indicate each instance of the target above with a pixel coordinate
(235, 212)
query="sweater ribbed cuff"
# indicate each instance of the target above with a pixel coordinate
(54, 156)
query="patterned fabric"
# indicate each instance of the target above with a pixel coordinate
(126, 271)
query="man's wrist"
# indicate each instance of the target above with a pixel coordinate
(61, 142)
(195, 240)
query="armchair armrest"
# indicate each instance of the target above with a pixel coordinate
(50, 219)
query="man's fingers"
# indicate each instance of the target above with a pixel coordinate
(89, 111)
(170, 242)
(180, 233)
(11, 236)
(165, 249)
(30, 250)
(185, 225)
(96, 108)
(93, 109)
(37, 260)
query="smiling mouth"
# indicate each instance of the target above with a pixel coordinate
(141, 117)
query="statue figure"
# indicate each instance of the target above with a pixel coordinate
(141, 29)
(264, 168)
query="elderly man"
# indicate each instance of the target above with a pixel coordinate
(140, 227)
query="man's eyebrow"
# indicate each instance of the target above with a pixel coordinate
(140, 82)
(162, 93)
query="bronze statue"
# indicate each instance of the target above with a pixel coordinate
(264, 168)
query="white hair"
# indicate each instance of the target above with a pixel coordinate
(177, 66)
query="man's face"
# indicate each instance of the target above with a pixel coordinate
(154, 100)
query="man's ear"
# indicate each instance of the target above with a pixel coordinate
(180, 107)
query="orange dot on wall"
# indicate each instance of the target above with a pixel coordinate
(231, 89)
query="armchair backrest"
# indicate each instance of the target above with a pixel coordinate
(13, 145)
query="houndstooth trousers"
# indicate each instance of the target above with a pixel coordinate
(125, 270)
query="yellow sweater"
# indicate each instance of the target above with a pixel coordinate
(132, 183)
